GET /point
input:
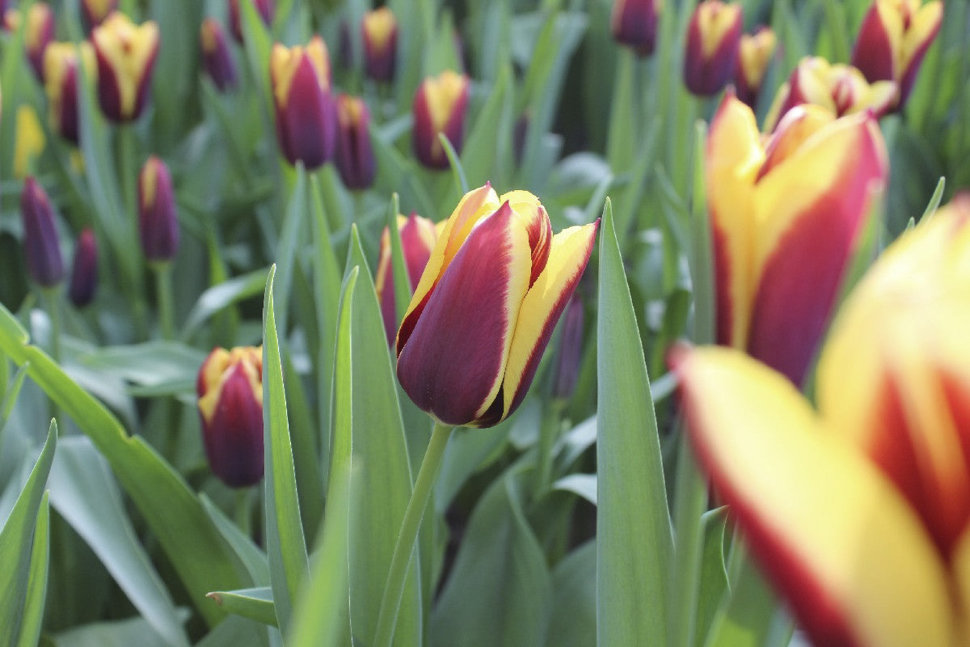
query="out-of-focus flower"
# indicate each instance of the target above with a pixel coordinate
(264, 8)
(859, 511)
(38, 34)
(230, 390)
(355, 153)
(84, 274)
(216, 57)
(345, 47)
(488, 300)
(634, 23)
(713, 35)
(158, 223)
(125, 54)
(29, 141)
(570, 349)
(440, 105)
(785, 218)
(893, 39)
(418, 236)
(379, 32)
(840, 89)
(93, 12)
(754, 54)
(61, 80)
(42, 246)
(306, 124)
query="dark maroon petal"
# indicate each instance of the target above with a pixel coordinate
(873, 50)
(84, 275)
(634, 23)
(158, 219)
(41, 243)
(306, 124)
(234, 436)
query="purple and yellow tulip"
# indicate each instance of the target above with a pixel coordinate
(634, 24)
(440, 106)
(264, 8)
(216, 57)
(858, 511)
(61, 78)
(230, 391)
(158, 223)
(125, 55)
(781, 243)
(355, 152)
(84, 272)
(38, 34)
(42, 245)
(893, 40)
(713, 35)
(379, 32)
(494, 287)
(418, 237)
(93, 12)
(755, 52)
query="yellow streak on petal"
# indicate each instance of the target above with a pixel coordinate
(37, 17)
(924, 22)
(379, 25)
(128, 49)
(217, 367)
(284, 61)
(755, 52)
(715, 19)
(442, 93)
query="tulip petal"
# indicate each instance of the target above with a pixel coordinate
(829, 530)
(916, 41)
(234, 438)
(874, 53)
(961, 572)
(536, 221)
(452, 362)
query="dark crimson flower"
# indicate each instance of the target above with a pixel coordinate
(42, 247)
(126, 57)
(84, 275)
(157, 214)
(418, 236)
(713, 35)
(355, 153)
(379, 31)
(440, 106)
(634, 23)
(216, 57)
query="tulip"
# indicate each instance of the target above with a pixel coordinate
(61, 79)
(858, 512)
(216, 57)
(785, 218)
(379, 32)
(439, 106)
(38, 34)
(713, 35)
(306, 126)
(264, 8)
(42, 247)
(355, 153)
(93, 12)
(29, 141)
(230, 390)
(84, 275)
(126, 57)
(495, 284)
(418, 237)
(570, 350)
(634, 23)
(157, 214)
(893, 39)
(754, 54)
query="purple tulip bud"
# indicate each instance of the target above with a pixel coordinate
(38, 34)
(440, 106)
(713, 36)
(61, 61)
(379, 31)
(84, 276)
(355, 153)
(157, 214)
(126, 57)
(634, 23)
(41, 244)
(216, 57)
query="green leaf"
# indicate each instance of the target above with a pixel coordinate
(633, 531)
(120, 633)
(746, 616)
(255, 604)
(713, 582)
(10, 397)
(573, 622)
(935, 199)
(286, 253)
(582, 484)
(253, 560)
(220, 296)
(461, 181)
(36, 597)
(488, 142)
(166, 365)
(235, 631)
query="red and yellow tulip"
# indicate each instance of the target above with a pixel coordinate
(38, 34)
(355, 152)
(216, 57)
(859, 511)
(440, 106)
(754, 54)
(93, 12)
(158, 224)
(418, 237)
(785, 215)
(713, 35)
(126, 57)
(379, 31)
(634, 24)
(61, 78)
(488, 300)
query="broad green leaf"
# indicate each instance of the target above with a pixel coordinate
(255, 604)
(624, 121)
(119, 633)
(713, 574)
(582, 484)
(573, 622)
(633, 532)
(253, 560)
(236, 631)
(286, 249)
(468, 451)
(221, 296)
(492, 132)
(36, 597)
(747, 613)
(10, 397)
(154, 364)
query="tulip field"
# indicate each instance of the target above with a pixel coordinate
(454, 323)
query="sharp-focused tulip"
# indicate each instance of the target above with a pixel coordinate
(306, 124)
(634, 23)
(94, 12)
(230, 390)
(264, 8)
(61, 78)
(754, 54)
(379, 32)
(84, 272)
(216, 57)
(440, 105)
(355, 152)
(785, 217)
(42, 247)
(38, 34)
(494, 287)
(893, 39)
(125, 54)
(157, 214)
(418, 237)
(859, 511)
(713, 35)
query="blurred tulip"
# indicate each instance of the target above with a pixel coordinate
(440, 106)
(785, 218)
(570, 354)
(306, 123)
(754, 54)
(713, 35)
(893, 39)
(634, 23)
(61, 85)
(355, 153)
(42, 246)
(216, 57)
(859, 511)
(93, 12)
(230, 390)
(418, 237)
(84, 275)
(157, 214)
(264, 8)
(345, 47)
(488, 300)
(379, 32)
(29, 141)
(38, 34)
(126, 58)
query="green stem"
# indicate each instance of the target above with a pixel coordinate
(164, 294)
(548, 432)
(54, 313)
(689, 504)
(126, 169)
(408, 536)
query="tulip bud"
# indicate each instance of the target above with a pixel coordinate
(439, 106)
(216, 57)
(84, 275)
(570, 349)
(893, 39)
(418, 236)
(306, 126)
(355, 154)
(754, 54)
(38, 34)
(230, 390)
(379, 31)
(93, 12)
(264, 8)
(60, 84)
(41, 244)
(712, 46)
(345, 48)
(126, 57)
(29, 141)
(634, 23)
(157, 213)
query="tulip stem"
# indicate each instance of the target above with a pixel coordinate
(163, 292)
(54, 314)
(408, 536)
(548, 433)
(690, 503)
